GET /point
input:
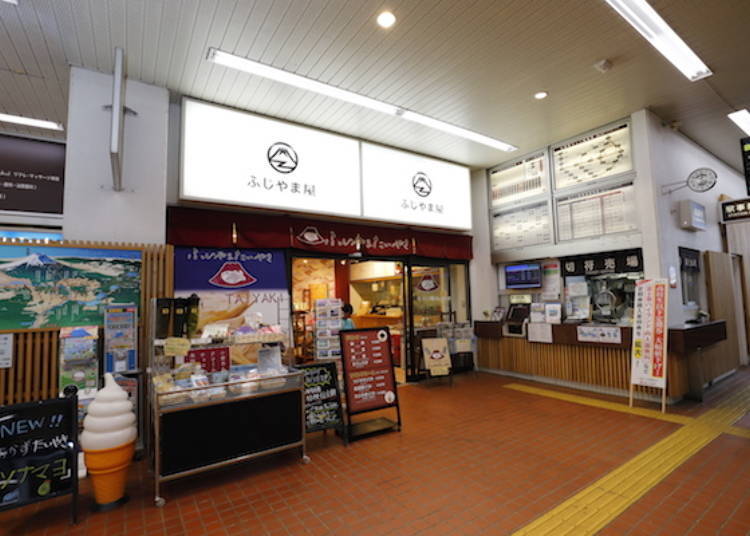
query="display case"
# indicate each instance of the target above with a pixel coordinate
(197, 429)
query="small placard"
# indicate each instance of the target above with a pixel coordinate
(176, 346)
(437, 359)
(605, 334)
(540, 332)
(6, 350)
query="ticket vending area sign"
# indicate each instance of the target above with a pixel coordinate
(369, 381)
(649, 350)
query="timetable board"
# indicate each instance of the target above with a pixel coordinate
(519, 180)
(596, 213)
(603, 154)
(527, 226)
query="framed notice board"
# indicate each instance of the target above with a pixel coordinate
(39, 451)
(322, 397)
(369, 381)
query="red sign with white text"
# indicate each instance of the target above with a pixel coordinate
(368, 369)
(649, 351)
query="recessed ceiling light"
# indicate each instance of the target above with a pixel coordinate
(650, 25)
(386, 19)
(30, 122)
(741, 118)
(285, 77)
(539, 95)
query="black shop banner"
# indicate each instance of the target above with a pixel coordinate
(745, 146)
(37, 451)
(611, 262)
(735, 210)
(31, 175)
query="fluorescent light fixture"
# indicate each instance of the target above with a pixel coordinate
(539, 95)
(285, 77)
(386, 19)
(650, 25)
(14, 2)
(30, 122)
(741, 118)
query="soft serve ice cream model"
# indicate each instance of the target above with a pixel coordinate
(108, 442)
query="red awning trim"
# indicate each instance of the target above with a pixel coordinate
(213, 228)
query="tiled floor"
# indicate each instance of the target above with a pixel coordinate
(474, 458)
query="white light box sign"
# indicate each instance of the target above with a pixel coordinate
(594, 156)
(519, 180)
(402, 187)
(240, 158)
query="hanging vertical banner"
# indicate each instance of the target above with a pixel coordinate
(649, 351)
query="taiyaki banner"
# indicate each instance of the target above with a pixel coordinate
(235, 286)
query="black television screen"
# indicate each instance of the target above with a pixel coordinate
(523, 275)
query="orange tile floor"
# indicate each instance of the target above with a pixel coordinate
(472, 458)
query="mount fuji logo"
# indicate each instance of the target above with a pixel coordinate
(232, 275)
(422, 184)
(282, 157)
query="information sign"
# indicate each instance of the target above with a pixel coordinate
(519, 180)
(649, 351)
(601, 334)
(745, 145)
(597, 213)
(6, 350)
(368, 370)
(120, 338)
(526, 226)
(594, 156)
(38, 458)
(322, 397)
(735, 210)
(437, 358)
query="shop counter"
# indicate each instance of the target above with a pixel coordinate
(600, 366)
(377, 321)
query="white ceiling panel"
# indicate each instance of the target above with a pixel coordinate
(474, 63)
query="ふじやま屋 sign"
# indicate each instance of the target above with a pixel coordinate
(322, 397)
(368, 369)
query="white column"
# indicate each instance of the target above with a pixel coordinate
(482, 273)
(92, 210)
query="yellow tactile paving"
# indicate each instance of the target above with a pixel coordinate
(596, 506)
(614, 406)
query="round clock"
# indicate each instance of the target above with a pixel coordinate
(702, 180)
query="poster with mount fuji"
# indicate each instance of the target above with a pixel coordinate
(47, 286)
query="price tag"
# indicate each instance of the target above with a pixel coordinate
(176, 346)
(6, 350)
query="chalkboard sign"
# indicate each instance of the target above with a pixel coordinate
(38, 451)
(322, 397)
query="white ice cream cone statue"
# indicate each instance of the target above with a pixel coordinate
(108, 442)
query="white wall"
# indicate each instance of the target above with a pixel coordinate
(672, 157)
(482, 273)
(92, 210)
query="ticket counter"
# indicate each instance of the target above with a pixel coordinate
(598, 366)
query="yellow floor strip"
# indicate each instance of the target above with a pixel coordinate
(596, 506)
(614, 406)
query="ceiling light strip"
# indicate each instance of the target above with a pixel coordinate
(655, 29)
(285, 77)
(30, 122)
(741, 118)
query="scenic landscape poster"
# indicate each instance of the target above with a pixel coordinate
(47, 286)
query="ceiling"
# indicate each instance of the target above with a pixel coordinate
(474, 63)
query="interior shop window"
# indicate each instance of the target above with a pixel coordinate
(690, 276)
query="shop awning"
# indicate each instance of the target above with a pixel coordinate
(215, 228)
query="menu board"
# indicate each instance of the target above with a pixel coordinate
(595, 156)
(649, 352)
(322, 398)
(37, 453)
(522, 227)
(596, 213)
(368, 369)
(519, 180)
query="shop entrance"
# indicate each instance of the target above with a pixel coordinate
(415, 300)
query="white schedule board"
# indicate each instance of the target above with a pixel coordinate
(239, 158)
(519, 180)
(596, 213)
(595, 156)
(521, 227)
(648, 363)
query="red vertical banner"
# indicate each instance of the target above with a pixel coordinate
(649, 351)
